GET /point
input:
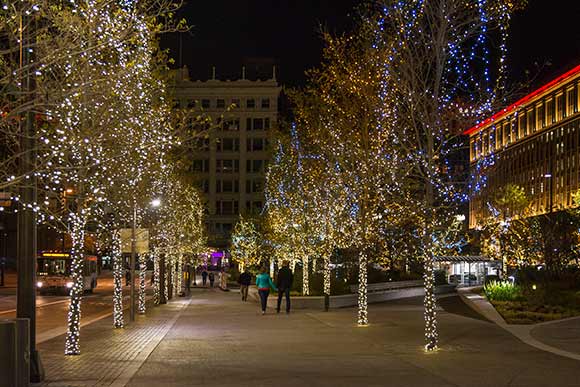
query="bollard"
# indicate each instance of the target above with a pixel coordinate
(8, 353)
(23, 352)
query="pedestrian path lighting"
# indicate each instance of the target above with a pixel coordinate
(156, 203)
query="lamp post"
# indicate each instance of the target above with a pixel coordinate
(27, 231)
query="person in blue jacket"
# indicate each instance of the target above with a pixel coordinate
(264, 283)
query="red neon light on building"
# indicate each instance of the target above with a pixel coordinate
(514, 106)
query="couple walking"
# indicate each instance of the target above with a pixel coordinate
(283, 285)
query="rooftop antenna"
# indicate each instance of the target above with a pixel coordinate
(274, 72)
(213, 73)
(243, 72)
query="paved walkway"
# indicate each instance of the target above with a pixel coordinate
(109, 357)
(215, 339)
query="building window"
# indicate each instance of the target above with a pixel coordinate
(255, 186)
(201, 165)
(572, 101)
(205, 103)
(256, 144)
(227, 166)
(255, 166)
(236, 102)
(258, 124)
(265, 103)
(227, 186)
(191, 103)
(254, 207)
(220, 103)
(506, 133)
(560, 108)
(223, 228)
(522, 128)
(203, 185)
(531, 121)
(226, 207)
(202, 144)
(550, 112)
(250, 103)
(541, 116)
(232, 125)
(228, 144)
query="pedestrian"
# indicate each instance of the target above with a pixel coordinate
(188, 279)
(204, 277)
(264, 283)
(211, 279)
(127, 276)
(245, 280)
(284, 284)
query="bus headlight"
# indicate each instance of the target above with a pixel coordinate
(69, 284)
(39, 284)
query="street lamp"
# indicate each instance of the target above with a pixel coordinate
(156, 202)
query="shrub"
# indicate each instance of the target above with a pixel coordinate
(440, 277)
(502, 291)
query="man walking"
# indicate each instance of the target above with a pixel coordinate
(284, 284)
(204, 277)
(245, 281)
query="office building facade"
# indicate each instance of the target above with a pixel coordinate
(533, 143)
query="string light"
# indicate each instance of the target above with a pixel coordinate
(118, 319)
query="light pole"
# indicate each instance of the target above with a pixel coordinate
(27, 231)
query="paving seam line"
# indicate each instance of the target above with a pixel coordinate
(137, 362)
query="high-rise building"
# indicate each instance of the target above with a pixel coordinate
(233, 158)
(533, 143)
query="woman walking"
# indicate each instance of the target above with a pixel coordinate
(264, 283)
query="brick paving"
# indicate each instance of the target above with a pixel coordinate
(106, 353)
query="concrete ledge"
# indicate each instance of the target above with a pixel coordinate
(349, 300)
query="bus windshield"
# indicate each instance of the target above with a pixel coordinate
(54, 266)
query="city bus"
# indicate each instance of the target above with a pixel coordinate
(53, 272)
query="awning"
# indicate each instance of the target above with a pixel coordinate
(463, 258)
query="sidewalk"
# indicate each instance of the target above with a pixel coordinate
(215, 339)
(109, 357)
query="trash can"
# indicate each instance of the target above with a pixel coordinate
(22, 352)
(8, 353)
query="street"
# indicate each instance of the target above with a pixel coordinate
(52, 310)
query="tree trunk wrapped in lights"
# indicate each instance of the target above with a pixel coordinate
(305, 276)
(142, 275)
(431, 89)
(76, 292)
(363, 316)
(326, 275)
(118, 319)
(156, 279)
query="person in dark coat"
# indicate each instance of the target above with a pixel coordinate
(204, 277)
(245, 280)
(211, 279)
(284, 284)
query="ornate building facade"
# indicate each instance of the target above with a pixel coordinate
(231, 163)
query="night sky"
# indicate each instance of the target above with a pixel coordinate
(228, 33)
